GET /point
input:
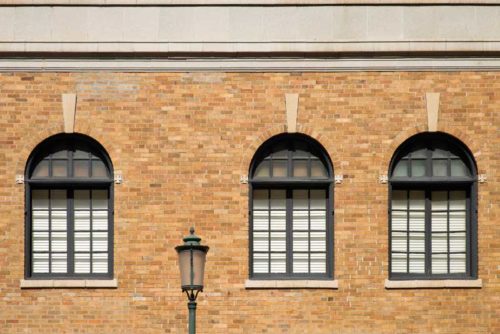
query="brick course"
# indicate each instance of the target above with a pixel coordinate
(182, 141)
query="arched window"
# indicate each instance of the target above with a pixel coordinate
(69, 201)
(433, 209)
(291, 209)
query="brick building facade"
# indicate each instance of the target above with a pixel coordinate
(183, 141)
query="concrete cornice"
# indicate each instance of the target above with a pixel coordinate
(251, 65)
(241, 2)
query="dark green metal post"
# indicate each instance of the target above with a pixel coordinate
(192, 317)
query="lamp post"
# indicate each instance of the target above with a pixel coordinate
(192, 257)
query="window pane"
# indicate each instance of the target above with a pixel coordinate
(99, 169)
(318, 169)
(59, 241)
(40, 241)
(439, 264)
(261, 263)
(457, 263)
(399, 200)
(398, 263)
(58, 199)
(260, 220)
(82, 220)
(300, 200)
(401, 168)
(457, 242)
(439, 200)
(417, 242)
(82, 263)
(300, 154)
(100, 263)
(399, 242)
(60, 155)
(300, 168)
(260, 199)
(318, 199)
(278, 263)
(99, 220)
(457, 200)
(318, 220)
(278, 241)
(261, 241)
(399, 220)
(417, 263)
(40, 220)
(82, 242)
(99, 199)
(40, 263)
(300, 219)
(59, 263)
(82, 199)
(419, 154)
(417, 200)
(278, 220)
(318, 263)
(81, 155)
(440, 167)
(300, 263)
(439, 221)
(40, 199)
(59, 221)
(81, 168)
(280, 168)
(318, 241)
(418, 167)
(280, 154)
(300, 242)
(42, 169)
(438, 153)
(417, 221)
(59, 168)
(99, 241)
(439, 243)
(278, 199)
(457, 221)
(262, 169)
(458, 168)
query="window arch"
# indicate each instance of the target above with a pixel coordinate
(291, 205)
(69, 209)
(433, 192)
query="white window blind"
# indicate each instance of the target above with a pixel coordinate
(49, 231)
(308, 224)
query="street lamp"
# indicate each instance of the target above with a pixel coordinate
(192, 257)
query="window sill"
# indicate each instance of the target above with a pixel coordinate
(291, 284)
(434, 284)
(84, 283)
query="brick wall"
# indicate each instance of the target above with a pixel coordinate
(182, 141)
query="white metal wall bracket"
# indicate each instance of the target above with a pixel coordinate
(19, 179)
(118, 177)
(383, 178)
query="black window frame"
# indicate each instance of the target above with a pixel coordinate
(70, 142)
(428, 184)
(291, 142)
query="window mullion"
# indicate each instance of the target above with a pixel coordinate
(50, 231)
(428, 232)
(71, 233)
(448, 230)
(289, 233)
